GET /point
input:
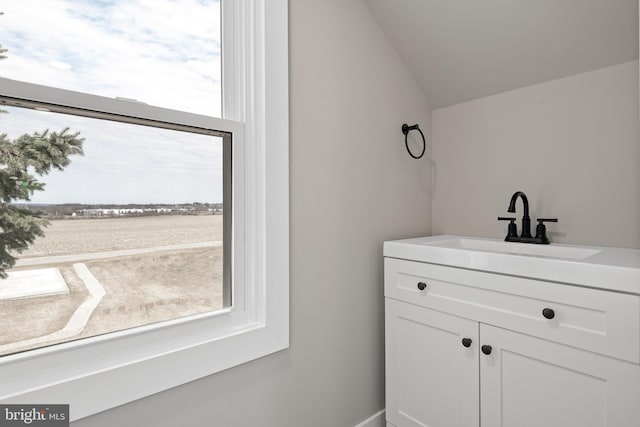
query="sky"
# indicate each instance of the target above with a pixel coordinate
(161, 52)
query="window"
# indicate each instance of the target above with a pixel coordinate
(247, 170)
(139, 227)
(134, 236)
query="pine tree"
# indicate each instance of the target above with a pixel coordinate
(20, 161)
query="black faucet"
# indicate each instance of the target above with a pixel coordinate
(526, 220)
(525, 237)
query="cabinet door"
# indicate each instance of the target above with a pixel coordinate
(432, 379)
(530, 382)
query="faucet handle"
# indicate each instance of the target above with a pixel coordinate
(541, 230)
(512, 230)
(541, 220)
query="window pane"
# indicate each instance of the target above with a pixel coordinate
(134, 237)
(161, 52)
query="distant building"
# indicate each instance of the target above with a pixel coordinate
(113, 212)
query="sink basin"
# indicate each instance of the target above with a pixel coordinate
(546, 251)
(594, 266)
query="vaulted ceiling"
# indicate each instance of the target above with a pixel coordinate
(460, 50)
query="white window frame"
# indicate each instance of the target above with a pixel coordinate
(98, 373)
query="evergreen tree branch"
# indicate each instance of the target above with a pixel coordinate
(21, 160)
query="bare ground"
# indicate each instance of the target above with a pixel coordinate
(140, 289)
(152, 288)
(74, 236)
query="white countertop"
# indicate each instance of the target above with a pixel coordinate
(615, 269)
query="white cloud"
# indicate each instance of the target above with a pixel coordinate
(59, 65)
(162, 52)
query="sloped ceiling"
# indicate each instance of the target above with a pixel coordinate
(460, 50)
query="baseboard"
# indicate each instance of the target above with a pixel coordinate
(375, 420)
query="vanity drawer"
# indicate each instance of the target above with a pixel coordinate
(596, 320)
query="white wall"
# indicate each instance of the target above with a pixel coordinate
(352, 186)
(572, 145)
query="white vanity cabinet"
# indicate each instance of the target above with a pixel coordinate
(476, 348)
(431, 379)
(527, 381)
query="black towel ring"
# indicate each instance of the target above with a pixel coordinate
(405, 130)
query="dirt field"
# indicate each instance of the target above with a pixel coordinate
(74, 236)
(139, 289)
(152, 288)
